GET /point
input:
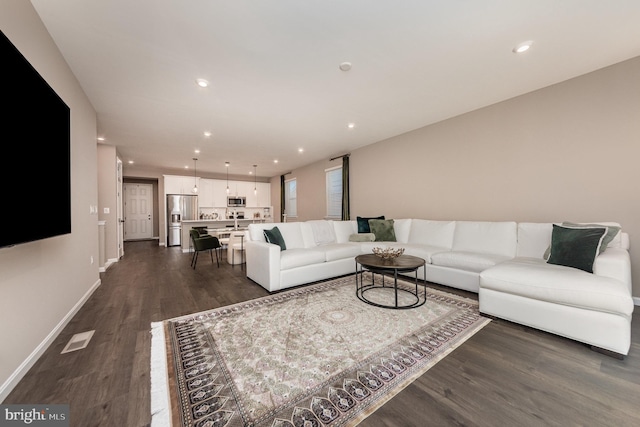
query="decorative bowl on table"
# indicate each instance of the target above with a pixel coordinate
(388, 253)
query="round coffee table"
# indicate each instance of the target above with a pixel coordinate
(379, 266)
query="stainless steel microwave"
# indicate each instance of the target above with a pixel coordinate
(236, 202)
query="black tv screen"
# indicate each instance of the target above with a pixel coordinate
(35, 172)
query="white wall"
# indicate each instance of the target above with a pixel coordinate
(42, 283)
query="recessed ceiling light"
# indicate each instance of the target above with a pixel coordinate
(202, 82)
(522, 47)
(345, 66)
(275, 161)
(101, 138)
(130, 162)
(300, 150)
(207, 133)
(196, 151)
(351, 125)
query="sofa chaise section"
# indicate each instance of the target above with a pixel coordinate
(593, 308)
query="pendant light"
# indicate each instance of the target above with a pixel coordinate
(255, 180)
(227, 165)
(195, 179)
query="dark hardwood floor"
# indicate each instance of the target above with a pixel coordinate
(505, 375)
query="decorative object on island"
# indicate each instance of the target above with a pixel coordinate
(195, 179)
(387, 253)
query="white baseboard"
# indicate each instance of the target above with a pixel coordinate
(107, 264)
(24, 367)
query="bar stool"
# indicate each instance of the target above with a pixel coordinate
(236, 244)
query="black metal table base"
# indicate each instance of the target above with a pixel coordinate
(361, 288)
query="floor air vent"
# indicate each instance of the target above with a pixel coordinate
(78, 342)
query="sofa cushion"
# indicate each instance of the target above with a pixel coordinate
(533, 278)
(497, 238)
(300, 257)
(323, 232)
(340, 251)
(576, 247)
(469, 261)
(363, 223)
(533, 239)
(432, 233)
(383, 230)
(274, 236)
(422, 251)
(402, 228)
(344, 229)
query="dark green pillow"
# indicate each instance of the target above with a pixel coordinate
(275, 236)
(575, 247)
(383, 229)
(363, 223)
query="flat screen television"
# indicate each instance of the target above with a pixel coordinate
(35, 172)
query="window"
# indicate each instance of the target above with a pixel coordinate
(290, 198)
(334, 192)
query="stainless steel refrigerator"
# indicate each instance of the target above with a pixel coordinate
(179, 208)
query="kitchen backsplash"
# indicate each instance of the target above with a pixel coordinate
(241, 213)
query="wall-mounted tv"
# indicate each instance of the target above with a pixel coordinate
(35, 172)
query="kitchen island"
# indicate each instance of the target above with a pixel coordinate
(218, 225)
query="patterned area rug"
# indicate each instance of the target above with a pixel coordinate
(311, 356)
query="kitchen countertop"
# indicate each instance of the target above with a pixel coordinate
(224, 220)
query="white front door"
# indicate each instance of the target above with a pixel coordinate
(138, 220)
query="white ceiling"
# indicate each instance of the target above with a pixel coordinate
(274, 70)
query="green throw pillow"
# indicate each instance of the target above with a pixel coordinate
(612, 231)
(576, 247)
(363, 223)
(275, 236)
(383, 229)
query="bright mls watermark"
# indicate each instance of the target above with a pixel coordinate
(34, 415)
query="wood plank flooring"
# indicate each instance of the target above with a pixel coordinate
(505, 375)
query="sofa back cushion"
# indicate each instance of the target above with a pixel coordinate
(344, 229)
(323, 233)
(432, 233)
(402, 228)
(533, 239)
(497, 238)
(292, 233)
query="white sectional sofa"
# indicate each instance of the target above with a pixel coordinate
(501, 261)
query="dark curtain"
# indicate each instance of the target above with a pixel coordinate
(346, 208)
(281, 196)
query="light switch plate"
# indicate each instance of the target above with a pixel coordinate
(105, 210)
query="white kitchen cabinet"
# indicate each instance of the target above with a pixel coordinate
(205, 193)
(176, 184)
(241, 188)
(264, 194)
(220, 193)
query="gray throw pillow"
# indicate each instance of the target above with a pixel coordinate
(362, 237)
(383, 229)
(612, 231)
